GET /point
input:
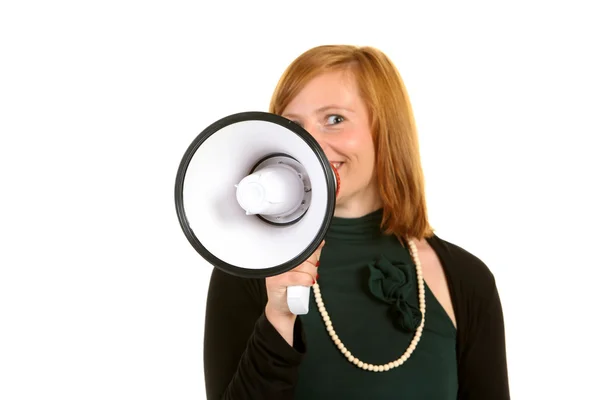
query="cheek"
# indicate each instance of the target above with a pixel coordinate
(360, 157)
(359, 148)
(354, 145)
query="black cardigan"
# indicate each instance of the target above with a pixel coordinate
(246, 358)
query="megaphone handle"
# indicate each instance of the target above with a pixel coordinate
(298, 298)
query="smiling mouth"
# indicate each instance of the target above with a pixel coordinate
(337, 165)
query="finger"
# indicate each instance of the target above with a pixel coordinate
(316, 256)
(303, 278)
(306, 268)
(295, 278)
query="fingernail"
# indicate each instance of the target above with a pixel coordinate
(318, 263)
(317, 276)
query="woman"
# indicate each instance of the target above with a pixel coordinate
(397, 312)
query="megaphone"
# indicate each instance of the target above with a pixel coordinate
(255, 195)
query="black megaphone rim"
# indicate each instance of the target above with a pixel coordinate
(330, 178)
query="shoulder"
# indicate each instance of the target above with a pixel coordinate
(468, 275)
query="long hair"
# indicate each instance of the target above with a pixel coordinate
(397, 160)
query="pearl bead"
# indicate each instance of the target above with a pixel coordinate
(415, 340)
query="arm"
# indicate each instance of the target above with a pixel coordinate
(244, 355)
(482, 367)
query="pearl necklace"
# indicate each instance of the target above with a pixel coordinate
(411, 348)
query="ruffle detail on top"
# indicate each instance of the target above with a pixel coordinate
(392, 284)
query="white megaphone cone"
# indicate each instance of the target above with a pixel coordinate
(255, 195)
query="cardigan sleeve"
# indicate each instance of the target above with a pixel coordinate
(245, 357)
(481, 347)
(482, 367)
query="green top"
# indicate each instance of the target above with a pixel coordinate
(369, 288)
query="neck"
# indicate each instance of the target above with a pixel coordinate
(358, 206)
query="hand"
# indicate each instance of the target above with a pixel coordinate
(277, 310)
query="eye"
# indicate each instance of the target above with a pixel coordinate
(334, 119)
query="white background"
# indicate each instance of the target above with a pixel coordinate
(102, 297)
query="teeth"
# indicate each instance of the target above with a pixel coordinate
(337, 164)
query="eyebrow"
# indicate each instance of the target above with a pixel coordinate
(333, 106)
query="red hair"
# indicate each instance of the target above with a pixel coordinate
(397, 160)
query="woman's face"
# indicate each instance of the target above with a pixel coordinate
(330, 108)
